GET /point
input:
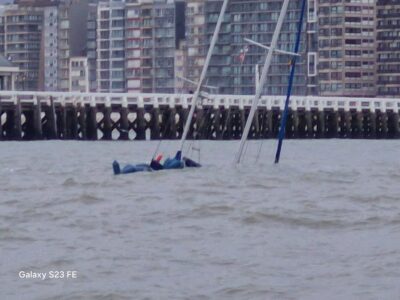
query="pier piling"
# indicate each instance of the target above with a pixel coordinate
(155, 124)
(82, 121)
(321, 125)
(62, 122)
(92, 122)
(124, 123)
(107, 123)
(140, 124)
(18, 120)
(1, 121)
(37, 120)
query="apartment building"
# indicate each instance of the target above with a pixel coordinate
(91, 45)
(196, 42)
(133, 48)
(35, 35)
(150, 46)
(388, 48)
(164, 42)
(64, 45)
(346, 48)
(220, 73)
(111, 47)
(21, 43)
(56, 47)
(311, 31)
(50, 49)
(180, 74)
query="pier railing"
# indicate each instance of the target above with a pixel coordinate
(184, 100)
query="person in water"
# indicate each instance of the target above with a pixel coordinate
(155, 163)
(174, 163)
(170, 163)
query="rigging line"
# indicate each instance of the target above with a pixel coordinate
(196, 147)
(245, 149)
(264, 74)
(199, 152)
(282, 130)
(161, 138)
(157, 148)
(259, 150)
(190, 148)
(193, 148)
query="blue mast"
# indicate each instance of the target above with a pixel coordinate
(282, 130)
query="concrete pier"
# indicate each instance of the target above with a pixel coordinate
(37, 115)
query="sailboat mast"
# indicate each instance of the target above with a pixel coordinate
(282, 130)
(263, 78)
(203, 73)
(257, 77)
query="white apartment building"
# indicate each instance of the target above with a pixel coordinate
(111, 47)
(50, 45)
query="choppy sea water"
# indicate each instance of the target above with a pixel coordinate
(324, 224)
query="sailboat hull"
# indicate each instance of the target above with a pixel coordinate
(191, 163)
(170, 164)
(128, 169)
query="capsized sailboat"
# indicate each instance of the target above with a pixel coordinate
(155, 165)
(179, 162)
(196, 96)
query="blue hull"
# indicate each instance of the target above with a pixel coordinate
(128, 169)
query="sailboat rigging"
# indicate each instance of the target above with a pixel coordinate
(178, 162)
(203, 74)
(268, 60)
